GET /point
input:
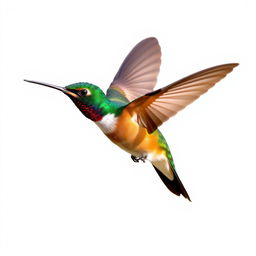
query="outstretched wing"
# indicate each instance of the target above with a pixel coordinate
(138, 73)
(152, 109)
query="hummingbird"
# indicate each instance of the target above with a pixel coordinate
(130, 112)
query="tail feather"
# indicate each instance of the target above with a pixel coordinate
(175, 185)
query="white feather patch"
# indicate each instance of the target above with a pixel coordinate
(161, 162)
(108, 123)
(153, 157)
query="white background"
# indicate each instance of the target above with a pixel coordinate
(66, 190)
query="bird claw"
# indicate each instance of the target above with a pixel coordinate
(137, 159)
(134, 159)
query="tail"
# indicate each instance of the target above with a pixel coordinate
(175, 185)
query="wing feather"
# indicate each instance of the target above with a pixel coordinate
(156, 107)
(138, 73)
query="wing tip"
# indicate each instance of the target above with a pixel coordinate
(152, 38)
(231, 65)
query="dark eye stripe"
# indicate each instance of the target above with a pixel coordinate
(72, 90)
(80, 91)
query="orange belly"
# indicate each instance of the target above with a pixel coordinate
(133, 138)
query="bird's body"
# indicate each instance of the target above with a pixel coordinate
(135, 140)
(130, 113)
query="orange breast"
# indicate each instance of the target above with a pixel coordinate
(133, 138)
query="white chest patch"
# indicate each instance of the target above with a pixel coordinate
(108, 123)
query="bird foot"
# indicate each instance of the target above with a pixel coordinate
(137, 159)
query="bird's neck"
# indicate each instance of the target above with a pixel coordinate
(97, 112)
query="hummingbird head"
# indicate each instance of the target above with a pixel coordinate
(88, 98)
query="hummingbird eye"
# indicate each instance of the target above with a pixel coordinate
(83, 92)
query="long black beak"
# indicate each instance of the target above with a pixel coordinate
(62, 89)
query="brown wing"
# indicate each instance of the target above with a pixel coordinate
(152, 109)
(138, 73)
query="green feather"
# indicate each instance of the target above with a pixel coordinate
(97, 99)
